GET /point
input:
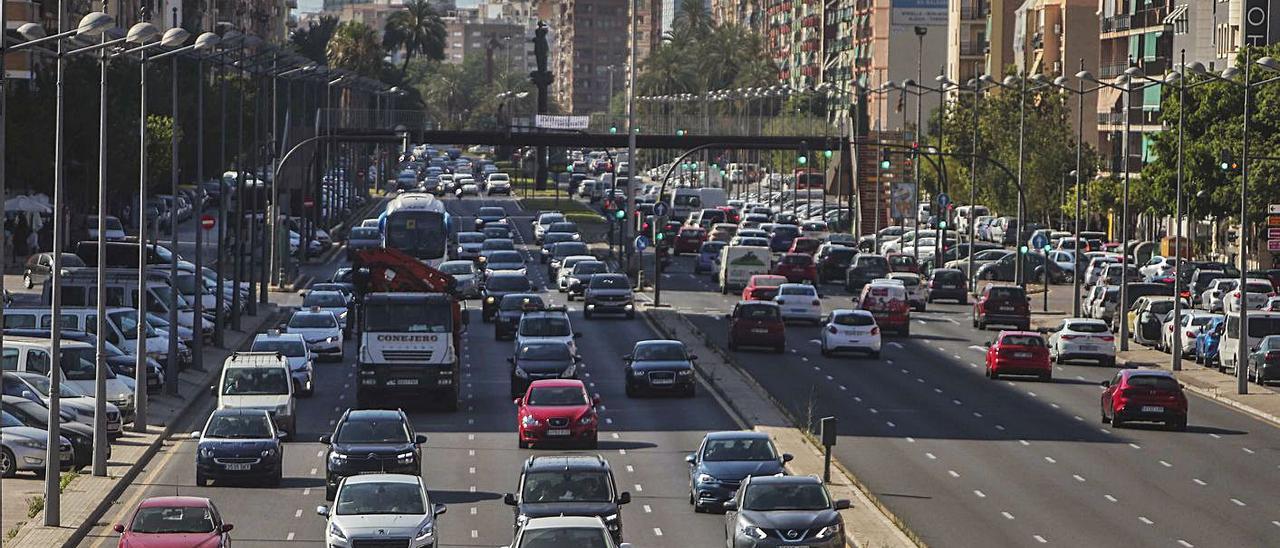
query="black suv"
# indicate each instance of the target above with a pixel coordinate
(488, 215)
(864, 268)
(498, 286)
(569, 485)
(833, 260)
(948, 283)
(510, 308)
(371, 440)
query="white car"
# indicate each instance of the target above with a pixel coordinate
(1097, 266)
(1157, 266)
(498, 183)
(1082, 339)
(583, 531)
(321, 330)
(1065, 259)
(547, 325)
(294, 349)
(566, 269)
(1257, 291)
(328, 301)
(545, 220)
(377, 508)
(851, 330)
(917, 290)
(1192, 321)
(815, 229)
(1213, 295)
(799, 302)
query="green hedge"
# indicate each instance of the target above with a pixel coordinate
(573, 210)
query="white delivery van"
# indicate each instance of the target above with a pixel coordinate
(684, 201)
(738, 263)
(1261, 324)
(258, 380)
(713, 197)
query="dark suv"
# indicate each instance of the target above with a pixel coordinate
(371, 440)
(864, 268)
(1002, 304)
(948, 283)
(496, 287)
(510, 308)
(569, 485)
(833, 260)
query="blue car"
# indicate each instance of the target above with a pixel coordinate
(723, 460)
(1207, 340)
(239, 444)
(707, 255)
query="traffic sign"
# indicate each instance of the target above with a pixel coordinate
(308, 203)
(1273, 220)
(1273, 209)
(1273, 233)
(660, 209)
(943, 200)
(641, 243)
(1039, 241)
(207, 222)
(1273, 245)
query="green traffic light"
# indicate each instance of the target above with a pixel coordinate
(613, 129)
(826, 154)
(661, 236)
(884, 164)
(802, 160)
(620, 214)
(1047, 248)
(942, 225)
(1224, 166)
(680, 133)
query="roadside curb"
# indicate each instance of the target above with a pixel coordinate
(126, 479)
(894, 525)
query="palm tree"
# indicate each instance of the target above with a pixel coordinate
(313, 40)
(355, 47)
(418, 29)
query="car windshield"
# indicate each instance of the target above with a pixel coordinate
(785, 231)
(1258, 287)
(7, 420)
(1022, 340)
(610, 281)
(578, 537)
(549, 218)
(556, 237)
(291, 348)
(565, 249)
(380, 498)
(742, 449)
(545, 326)
(255, 381)
(178, 520)
(492, 213)
(1088, 327)
(712, 247)
(247, 426)
(363, 233)
(506, 257)
(758, 312)
(408, 317)
(498, 244)
(127, 322)
(499, 231)
(457, 268)
(786, 290)
(326, 299)
(853, 319)
(508, 283)
(566, 486)
(371, 431)
(551, 396)
(659, 352)
(775, 497)
(563, 227)
(590, 267)
(312, 320)
(544, 351)
(1157, 382)
(78, 364)
(470, 237)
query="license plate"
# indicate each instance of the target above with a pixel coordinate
(237, 466)
(663, 381)
(1088, 347)
(1152, 409)
(1005, 308)
(759, 330)
(558, 432)
(402, 382)
(798, 310)
(1022, 354)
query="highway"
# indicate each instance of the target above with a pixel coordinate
(471, 458)
(966, 461)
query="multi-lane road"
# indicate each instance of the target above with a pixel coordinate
(471, 458)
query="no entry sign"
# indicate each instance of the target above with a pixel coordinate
(207, 222)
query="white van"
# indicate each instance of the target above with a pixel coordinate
(684, 201)
(966, 214)
(713, 197)
(258, 380)
(1261, 324)
(79, 367)
(80, 288)
(738, 263)
(121, 328)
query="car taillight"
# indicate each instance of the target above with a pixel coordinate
(1070, 337)
(1273, 356)
(875, 330)
(832, 329)
(1108, 338)
(816, 302)
(1191, 333)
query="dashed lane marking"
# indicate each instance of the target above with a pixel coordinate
(1144, 519)
(1039, 539)
(289, 537)
(1199, 482)
(1006, 515)
(1109, 498)
(657, 532)
(1078, 477)
(979, 494)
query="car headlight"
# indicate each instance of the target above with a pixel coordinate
(407, 456)
(337, 457)
(685, 372)
(337, 531)
(269, 452)
(705, 478)
(637, 374)
(752, 532)
(522, 271)
(330, 339)
(206, 452)
(489, 300)
(828, 531)
(522, 373)
(34, 444)
(577, 236)
(427, 530)
(588, 419)
(530, 420)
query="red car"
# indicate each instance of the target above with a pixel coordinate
(796, 268)
(805, 244)
(757, 323)
(1144, 395)
(177, 522)
(901, 262)
(762, 287)
(1019, 353)
(557, 410)
(689, 239)
(731, 214)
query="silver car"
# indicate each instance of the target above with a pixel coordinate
(382, 508)
(24, 447)
(467, 276)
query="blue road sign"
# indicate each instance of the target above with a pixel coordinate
(943, 200)
(660, 209)
(1039, 241)
(641, 243)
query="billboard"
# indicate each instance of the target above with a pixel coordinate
(922, 13)
(902, 201)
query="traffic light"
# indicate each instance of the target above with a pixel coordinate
(884, 158)
(620, 214)
(613, 129)
(1225, 162)
(826, 154)
(802, 157)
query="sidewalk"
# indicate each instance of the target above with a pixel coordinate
(86, 498)
(1261, 402)
(867, 522)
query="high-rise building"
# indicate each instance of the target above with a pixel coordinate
(591, 36)
(1056, 38)
(967, 39)
(1133, 34)
(468, 33)
(895, 40)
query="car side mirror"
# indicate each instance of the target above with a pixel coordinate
(1105, 384)
(326, 439)
(195, 435)
(322, 510)
(691, 458)
(119, 528)
(624, 498)
(419, 439)
(227, 527)
(787, 457)
(438, 509)
(843, 504)
(626, 357)
(577, 334)
(729, 505)
(511, 360)
(517, 401)
(509, 499)
(987, 344)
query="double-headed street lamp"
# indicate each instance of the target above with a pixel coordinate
(973, 86)
(1229, 75)
(944, 85)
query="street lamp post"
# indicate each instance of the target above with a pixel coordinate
(974, 86)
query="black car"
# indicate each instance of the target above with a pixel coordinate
(537, 360)
(40, 266)
(581, 275)
(864, 268)
(550, 240)
(781, 237)
(569, 485)
(1005, 269)
(497, 231)
(833, 261)
(724, 459)
(659, 366)
(371, 440)
(497, 286)
(239, 444)
(36, 415)
(490, 215)
(510, 308)
(568, 227)
(342, 275)
(948, 283)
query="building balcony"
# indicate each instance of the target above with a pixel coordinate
(1112, 70)
(973, 48)
(1138, 118)
(971, 12)
(1142, 19)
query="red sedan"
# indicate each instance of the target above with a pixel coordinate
(805, 245)
(1144, 395)
(1019, 353)
(762, 287)
(177, 522)
(689, 240)
(796, 268)
(755, 323)
(557, 410)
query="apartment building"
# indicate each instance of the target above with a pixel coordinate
(1056, 38)
(1133, 33)
(895, 40)
(591, 35)
(468, 33)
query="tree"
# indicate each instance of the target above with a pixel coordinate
(418, 29)
(355, 47)
(159, 153)
(313, 41)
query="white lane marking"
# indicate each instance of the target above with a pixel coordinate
(872, 410)
(320, 453)
(956, 356)
(1024, 442)
(937, 390)
(842, 387)
(1055, 406)
(1030, 393)
(1006, 515)
(475, 533)
(980, 494)
(1238, 502)
(890, 424)
(977, 348)
(657, 532)
(957, 402)
(910, 439)
(622, 451)
(999, 427)
(1105, 431)
(313, 471)
(904, 371)
(289, 537)
(1109, 498)
(1078, 477)
(471, 437)
(1135, 446)
(647, 509)
(1144, 519)
(830, 378)
(1039, 539)
(1166, 464)
(1050, 460)
(977, 414)
(1185, 543)
(857, 399)
(1247, 450)
(630, 469)
(471, 470)
(1275, 523)
(953, 473)
(920, 380)
(895, 344)
(973, 365)
(608, 420)
(931, 456)
(473, 510)
(1215, 436)
(1078, 417)
(297, 513)
(922, 322)
(615, 435)
(1199, 482)
(306, 492)
(639, 488)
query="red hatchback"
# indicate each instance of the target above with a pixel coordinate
(557, 411)
(805, 245)
(757, 323)
(1144, 395)
(762, 287)
(797, 268)
(731, 214)
(689, 239)
(177, 522)
(1019, 353)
